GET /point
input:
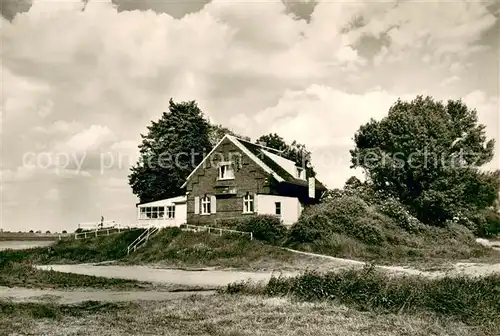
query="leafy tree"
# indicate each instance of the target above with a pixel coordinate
(353, 183)
(273, 140)
(332, 194)
(427, 154)
(217, 132)
(172, 148)
(295, 152)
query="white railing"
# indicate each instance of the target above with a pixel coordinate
(97, 225)
(142, 239)
(214, 230)
(100, 232)
(94, 229)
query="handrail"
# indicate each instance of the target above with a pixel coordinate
(140, 236)
(143, 237)
(220, 230)
(96, 232)
(96, 224)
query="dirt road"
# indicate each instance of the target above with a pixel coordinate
(458, 269)
(199, 278)
(19, 294)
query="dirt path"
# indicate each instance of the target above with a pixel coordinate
(18, 294)
(199, 278)
(215, 278)
(458, 269)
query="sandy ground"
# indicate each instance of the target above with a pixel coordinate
(200, 278)
(18, 294)
(457, 269)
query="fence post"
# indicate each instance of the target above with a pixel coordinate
(251, 235)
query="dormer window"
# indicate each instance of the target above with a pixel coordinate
(226, 171)
(300, 173)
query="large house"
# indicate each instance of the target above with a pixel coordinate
(237, 179)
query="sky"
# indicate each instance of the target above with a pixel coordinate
(81, 81)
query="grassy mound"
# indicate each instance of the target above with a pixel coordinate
(178, 248)
(70, 251)
(474, 301)
(349, 227)
(170, 246)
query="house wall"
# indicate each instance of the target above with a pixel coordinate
(249, 177)
(291, 208)
(180, 215)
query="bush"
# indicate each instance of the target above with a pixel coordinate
(402, 217)
(267, 228)
(472, 300)
(378, 228)
(488, 224)
(348, 215)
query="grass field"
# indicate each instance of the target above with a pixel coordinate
(222, 315)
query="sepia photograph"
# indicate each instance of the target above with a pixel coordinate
(244, 168)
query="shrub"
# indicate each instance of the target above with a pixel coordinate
(402, 217)
(267, 228)
(348, 215)
(488, 224)
(472, 300)
(379, 228)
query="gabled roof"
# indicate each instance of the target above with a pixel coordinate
(278, 164)
(280, 168)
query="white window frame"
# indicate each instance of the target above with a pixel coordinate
(170, 213)
(161, 212)
(248, 203)
(142, 213)
(152, 212)
(276, 208)
(205, 205)
(223, 171)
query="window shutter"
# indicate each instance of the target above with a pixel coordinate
(213, 204)
(197, 205)
(255, 203)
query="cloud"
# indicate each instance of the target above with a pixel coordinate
(91, 138)
(488, 110)
(326, 119)
(87, 83)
